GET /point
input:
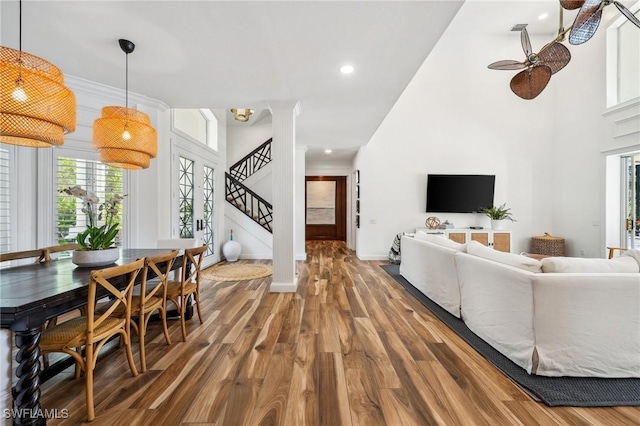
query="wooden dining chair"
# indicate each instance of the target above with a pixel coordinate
(93, 330)
(39, 255)
(59, 249)
(152, 297)
(612, 251)
(179, 292)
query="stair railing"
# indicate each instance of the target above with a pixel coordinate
(252, 162)
(248, 202)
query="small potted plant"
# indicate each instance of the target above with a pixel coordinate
(498, 215)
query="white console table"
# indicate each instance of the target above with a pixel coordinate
(499, 240)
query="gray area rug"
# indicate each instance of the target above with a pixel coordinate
(553, 391)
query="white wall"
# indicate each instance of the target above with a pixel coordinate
(457, 116)
(244, 138)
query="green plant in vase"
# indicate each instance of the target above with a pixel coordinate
(498, 215)
(501, 212)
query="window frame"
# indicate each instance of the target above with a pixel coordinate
(612, 56)
(47, 184)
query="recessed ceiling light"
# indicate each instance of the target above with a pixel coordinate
(543, 16)
(346, 69)
(327, 151)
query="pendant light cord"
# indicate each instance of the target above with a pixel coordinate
(20, 27)
(126, 82)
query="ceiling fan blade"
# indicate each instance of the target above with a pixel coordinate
(531, 82)
(507, 65)
(571, 4)
(526, 43)
(626, 12)
(586, 23)
(556, 57)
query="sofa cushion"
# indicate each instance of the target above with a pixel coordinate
(620, 264)
(635, 253)
(523, 262)
(441, 240)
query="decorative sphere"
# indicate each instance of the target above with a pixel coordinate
(432, 222)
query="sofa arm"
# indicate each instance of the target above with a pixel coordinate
(587, 324)
(431, 269)
(497, 305)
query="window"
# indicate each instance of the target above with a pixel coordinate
(104, 181)
(5, 202)
(186, 198)
(623, 60)
(208, 209)
(198, 124)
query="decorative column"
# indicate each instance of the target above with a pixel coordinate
(283, 152)
(300, 172)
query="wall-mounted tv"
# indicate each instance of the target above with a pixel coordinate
(459, 193)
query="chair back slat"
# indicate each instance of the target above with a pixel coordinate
(103, 278)
(59, 248)
(195, 257)
(38, 254)
(161, 266)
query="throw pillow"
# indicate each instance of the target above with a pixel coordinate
(523, 262)
(441, 240)
(619, 264)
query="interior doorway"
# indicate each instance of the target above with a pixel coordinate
(326, 208)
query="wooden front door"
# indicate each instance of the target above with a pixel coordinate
(326, 207)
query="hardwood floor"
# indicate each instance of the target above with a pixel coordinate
(350, 347)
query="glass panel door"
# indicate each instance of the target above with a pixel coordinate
(196, 205)
(631, 201)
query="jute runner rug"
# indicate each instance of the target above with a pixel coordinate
(237, 271)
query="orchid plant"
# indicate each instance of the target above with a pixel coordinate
(97, 237)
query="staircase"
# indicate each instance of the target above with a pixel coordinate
(242, 197)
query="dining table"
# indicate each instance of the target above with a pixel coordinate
(31, 294)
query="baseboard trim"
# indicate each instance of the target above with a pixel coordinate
(266, 256)
(284, 287)
(373, 257)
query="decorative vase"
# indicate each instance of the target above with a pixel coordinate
(95, 258)
(231, 249)
(498, 225)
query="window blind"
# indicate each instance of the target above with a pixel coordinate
(5, 202)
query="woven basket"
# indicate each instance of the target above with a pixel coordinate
(548, 245)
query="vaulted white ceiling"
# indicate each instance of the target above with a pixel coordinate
(214, 54)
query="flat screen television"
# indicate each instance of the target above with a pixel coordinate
(459, 193)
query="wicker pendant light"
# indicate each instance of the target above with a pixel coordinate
(36, 109)
(123, 135)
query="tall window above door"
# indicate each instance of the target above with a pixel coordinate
(199, 125)
(623, 60)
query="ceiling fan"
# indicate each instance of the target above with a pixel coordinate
(538, 67)
(588, 18)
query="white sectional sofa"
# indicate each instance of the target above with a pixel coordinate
(427, 262)
(555, 317)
